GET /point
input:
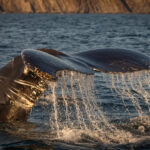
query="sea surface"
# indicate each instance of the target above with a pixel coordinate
(123, 100)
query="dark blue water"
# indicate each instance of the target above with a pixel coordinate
(70, 34)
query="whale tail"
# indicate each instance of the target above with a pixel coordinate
(24, 79)
(115, 60)
(20, 88)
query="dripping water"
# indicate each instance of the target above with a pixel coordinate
(74, 113)
(132, 92)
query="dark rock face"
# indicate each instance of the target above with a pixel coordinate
(75, 6)
(139, 6)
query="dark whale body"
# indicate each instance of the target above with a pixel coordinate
(24, 79)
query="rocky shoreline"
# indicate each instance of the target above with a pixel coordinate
(75, 6)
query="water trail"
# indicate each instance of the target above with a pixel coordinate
(124, 91)
(74, 110)
(143, 90)
(74, 96)
(92, 103)
(133, 87)
(134, 95)
(65, 89)
(76, 113)
(53, 86)
(82, 90)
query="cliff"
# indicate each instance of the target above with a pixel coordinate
(75, 6)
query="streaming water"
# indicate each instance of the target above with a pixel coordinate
(74, 111)
(77, 116)
(134, 87)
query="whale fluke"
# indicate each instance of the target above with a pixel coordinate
(115, 60)
(20, 88)
(24, 79)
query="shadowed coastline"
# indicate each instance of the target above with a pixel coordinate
(75, 6)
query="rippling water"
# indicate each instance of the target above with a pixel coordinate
(76, 33)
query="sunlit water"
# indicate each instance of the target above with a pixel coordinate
(80, 111)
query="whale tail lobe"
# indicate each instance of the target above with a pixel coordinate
(24, 79)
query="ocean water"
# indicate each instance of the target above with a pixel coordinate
(123, 100)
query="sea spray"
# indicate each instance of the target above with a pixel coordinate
(74, 94)
(74, 111)
(134, 91)
(133, 87)
(53, 87)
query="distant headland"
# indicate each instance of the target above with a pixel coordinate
(75, 6)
